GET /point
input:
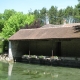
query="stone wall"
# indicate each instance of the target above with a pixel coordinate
(15, 52)
(61, 61)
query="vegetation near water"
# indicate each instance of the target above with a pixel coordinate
(20, 71)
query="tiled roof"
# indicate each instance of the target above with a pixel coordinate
(48, 31)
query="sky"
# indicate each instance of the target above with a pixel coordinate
(30, 5)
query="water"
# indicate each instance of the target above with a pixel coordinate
(20, 71)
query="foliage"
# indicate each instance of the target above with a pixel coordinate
(5, 16)
(8, 13)
(60, 16)
(69, 11)
(37, 14)
(15, 22)
(35, 24)
(40, 15)
(43, 13)
(77, 12)
(57, 16)
(11, 20)
(53, 15)
(33, 56)
(1, 22)
(41, 57)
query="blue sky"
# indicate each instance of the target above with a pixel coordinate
(27, 5)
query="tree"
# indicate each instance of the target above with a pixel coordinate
(8, 13)
(5, 16)
(43, 13)
(69, 11)
(0, 16)
(37, 14)
(35, 24)
(69, 14)
(15, 22)
(79, 1)
(60, 16)
(77, 12)
(53, 15)
(1, 22)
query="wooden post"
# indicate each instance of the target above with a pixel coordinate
(36, 47)
(29, 49)
(52, 53)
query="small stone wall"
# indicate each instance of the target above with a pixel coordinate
(5, 58)
(62, 61)
(66, 63)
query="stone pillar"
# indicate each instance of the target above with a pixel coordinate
(10, 51)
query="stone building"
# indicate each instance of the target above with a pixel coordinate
(56, 40)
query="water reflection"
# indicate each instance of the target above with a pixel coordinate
(5, 71)
(38, 74)
(19, 71)
(28, 73)
(3, 74)
(10, 67)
